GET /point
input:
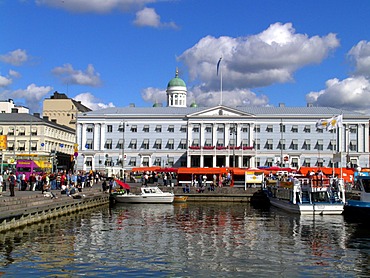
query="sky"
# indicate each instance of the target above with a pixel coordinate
(112, 53)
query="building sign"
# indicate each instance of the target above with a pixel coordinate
(3, 142)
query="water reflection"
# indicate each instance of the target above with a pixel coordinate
(207, 239)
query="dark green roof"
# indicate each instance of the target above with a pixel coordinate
(176, 81)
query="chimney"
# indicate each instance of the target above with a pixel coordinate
(36, 115)
(281, 104)
(132, 105)
(46, 118)
(309, 104)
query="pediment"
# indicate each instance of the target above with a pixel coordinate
(219, 111)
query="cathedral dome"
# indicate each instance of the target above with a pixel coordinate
(176, 81)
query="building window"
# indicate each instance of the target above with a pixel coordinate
(307, 129)
(22, 132)
(220, 128)
(294, 163)
(108, 162)
(21, 146)
(158, 128)
(269, 128)
(145, 161)
(244, 128)
(281, 145)
(269, 162)
(171, 128)
(320, 145)
(170, 162)
(183, 145)
(170, 144)
(120, 144)
(89, 128)
(307, 145)
(307, 162)
(294, 128)
(158, 144)
(294, 145)
(332, 145)
(282, 128)
(89, 144)
(208, 129)
(133, 144)
(195, 143)
(108, 144)
(353, 145)
(146, 128)
(208, 143)
(34, 131)
(183, 128)
(320, 162)
(269, 144)
(33, 146)
(145, 144)
(257, 128)
(353, 129)
(88, 162)
(109, 128)
(132, 161)
(319, 130)
(257, 144)
(134, 128)
(196, 128)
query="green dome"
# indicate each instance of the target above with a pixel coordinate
(174, 82)
(194, 105)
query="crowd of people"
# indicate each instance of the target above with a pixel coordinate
(65, 181)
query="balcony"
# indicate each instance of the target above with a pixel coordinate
(208, 147)
(248, 148)
(221, 148)
(194, 147)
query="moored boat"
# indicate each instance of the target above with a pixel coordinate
(147, 195)
(308, 196)
(358, 202)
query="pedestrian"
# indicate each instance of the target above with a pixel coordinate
(12, 182)
(1, 184)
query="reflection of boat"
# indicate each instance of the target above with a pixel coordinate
(359, 204)
(308, 196)
(147, 195)
(180, 199)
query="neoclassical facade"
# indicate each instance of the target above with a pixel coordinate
(182, 136)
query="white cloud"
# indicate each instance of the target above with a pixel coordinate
(149, 17)
(352, 93)
(360, 56)
(255, 61)
(68, 75)
(90, 101)
(95, 6)
(229, 98)
(15, 58)
(32, 95)
(5, 81)
(154, 95)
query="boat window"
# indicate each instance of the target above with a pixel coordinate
(366, 184)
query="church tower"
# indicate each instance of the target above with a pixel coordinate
(176, 92)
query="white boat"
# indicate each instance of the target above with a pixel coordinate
(358, 203)
(308, 197)
(147, 195)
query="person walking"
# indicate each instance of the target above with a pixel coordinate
(12, 181)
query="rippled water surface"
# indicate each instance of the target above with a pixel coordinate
(187, 240)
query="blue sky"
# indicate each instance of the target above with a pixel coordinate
(117, 52)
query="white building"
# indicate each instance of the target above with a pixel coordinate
(8, 106)
(181, 136)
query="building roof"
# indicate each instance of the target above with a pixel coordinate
(319, 112)
(24, 119)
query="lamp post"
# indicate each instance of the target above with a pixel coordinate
(124, 124)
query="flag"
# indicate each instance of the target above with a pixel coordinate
(218, 65)
(331, 123)
(335, 122)
(322, 123)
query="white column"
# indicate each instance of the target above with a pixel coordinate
(82, 130)
(96, 137)
(102, 135)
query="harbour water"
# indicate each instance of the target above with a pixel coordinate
(187, 240)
